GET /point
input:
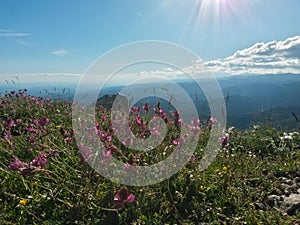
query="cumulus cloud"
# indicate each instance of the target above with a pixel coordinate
(60, 52)
(262, 58)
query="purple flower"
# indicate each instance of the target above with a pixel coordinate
(17, 165)
(123, 196)
(53, 153)
(146, 107)
(224, 141)
(35, 122)
(179, 142)
(68, 139)
(106, 157)
(40, 161)
(85, 153)
(32, 130)
(11, 123)
(31, 139)
(19, 121)
(7, 136)
(44, 121)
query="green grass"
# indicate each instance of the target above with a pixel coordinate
(68, 191)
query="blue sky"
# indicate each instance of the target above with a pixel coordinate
(64, 36)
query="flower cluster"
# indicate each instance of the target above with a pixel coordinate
(224, 141)
(25, 169)
(123, 196)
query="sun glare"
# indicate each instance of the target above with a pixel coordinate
(217, 14)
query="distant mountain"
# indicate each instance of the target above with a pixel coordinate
(249, 98)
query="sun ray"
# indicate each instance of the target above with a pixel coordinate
(213, 17)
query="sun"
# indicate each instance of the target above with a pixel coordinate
(217, 13)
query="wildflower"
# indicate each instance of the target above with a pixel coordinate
(127, 166)
(175, 142)
(35, 122)
(224, 168)
(11, 123)
(287, 136)
(177, 119)
(31, 139)
(40, 161)
(32, 130)
(17, 165)
(213, 120)
(123, 196)
(44, 121)
(106, 157)
(67, 139)
(7, 136)
(224, 141)
(34, 183)
(201, 188)
(19, 121)
(53, 153)
(23, 202)
(179, 142)
(85, 153)
(63, 131)
(146, 107)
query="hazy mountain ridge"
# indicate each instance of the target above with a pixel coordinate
(249, 98)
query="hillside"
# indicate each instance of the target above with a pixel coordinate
(45, 179)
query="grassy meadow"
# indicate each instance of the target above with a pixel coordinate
(44, 178)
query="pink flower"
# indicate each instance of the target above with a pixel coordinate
(40, 161)
(179, 142)
(44, 121)
(17, 165)
(11, 123)
(7, 136)
(127, 166)
(35, 122)
(175, 142)
(224, 141)
(146, 107)
(123, 196)
(106, 157)
(85, 153)
(19, 121)
(67, 139)
(31, 139)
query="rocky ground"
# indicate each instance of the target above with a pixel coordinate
(286, 197)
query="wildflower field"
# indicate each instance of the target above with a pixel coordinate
(45, 179)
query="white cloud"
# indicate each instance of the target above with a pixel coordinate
(262, 58)
(13, 34)
(60, 52)
(22, 42)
